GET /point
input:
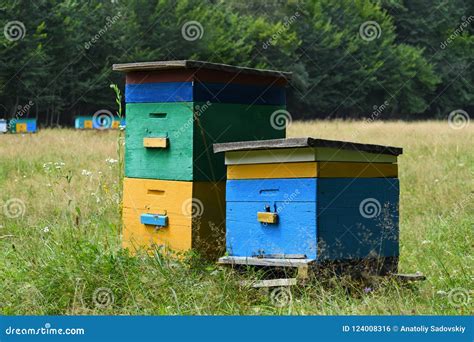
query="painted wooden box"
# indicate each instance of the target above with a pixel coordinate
(178, 215)
(311, 198)
(176, 110)
(23, 126)
(89, 122)
(3, 126)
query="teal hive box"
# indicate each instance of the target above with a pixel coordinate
(23, 125)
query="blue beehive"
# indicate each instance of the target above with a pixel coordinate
(311, 199)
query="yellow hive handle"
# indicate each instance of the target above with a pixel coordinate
(266, 217)
(155, 142)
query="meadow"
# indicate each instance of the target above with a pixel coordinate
(60, 225)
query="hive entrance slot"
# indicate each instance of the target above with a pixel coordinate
(158, 115)
(268, 191)
(156, 192)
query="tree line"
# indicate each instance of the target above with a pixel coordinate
(350, 58)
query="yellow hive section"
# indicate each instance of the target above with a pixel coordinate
(155, 142)
(312, 169)
(21, 127)
(195, 212)
(265, 217)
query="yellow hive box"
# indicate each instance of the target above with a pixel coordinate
(177, 214)
(312, 169)
(21, 128)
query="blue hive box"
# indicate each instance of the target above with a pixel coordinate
(311, 199)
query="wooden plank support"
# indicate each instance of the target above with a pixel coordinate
(155, 142)
(252, 261)
(269, 283)
(266, 217)
(409, 277)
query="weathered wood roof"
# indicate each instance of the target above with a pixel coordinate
(305, 142)
(191, 64)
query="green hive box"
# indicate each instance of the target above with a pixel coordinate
(177, 110)
(188, 155)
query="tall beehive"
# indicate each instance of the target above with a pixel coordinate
(174, 191)
(312, 199)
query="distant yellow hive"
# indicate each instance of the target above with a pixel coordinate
(21, 127)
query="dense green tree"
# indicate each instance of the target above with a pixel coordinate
(61, 65)
(444, 32)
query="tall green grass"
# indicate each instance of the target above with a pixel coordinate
(63, 254)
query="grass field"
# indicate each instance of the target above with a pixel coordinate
(62, 254)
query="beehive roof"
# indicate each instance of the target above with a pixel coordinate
(192, 64)
(305, 142)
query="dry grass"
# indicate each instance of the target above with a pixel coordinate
(67, 243)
